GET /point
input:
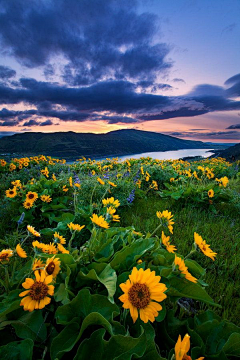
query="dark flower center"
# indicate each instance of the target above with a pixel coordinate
(31, 196)
(3, 256)
(38, 290)
(50, 268)
(11, 192)
(139, 295)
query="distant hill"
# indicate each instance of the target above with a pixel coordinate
(71, 145)
(231, 153)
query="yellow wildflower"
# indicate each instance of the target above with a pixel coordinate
(100, 221)
(100, 181)
(33, 231)
(22, 253)
(11, 193)
(37, 291)
(166, 242)
(5, 255)
(112, 184)
(210, 193)
(75, 227)
(205, 248)
(167, 217)
(111, 202)
(46, 198)
(182, 347)
(183, 269)
(142, 292)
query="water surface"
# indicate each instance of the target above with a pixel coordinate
(160, 155)
(167, 155)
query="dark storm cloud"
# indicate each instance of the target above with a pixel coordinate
(182, 112)
(118, 119)
(46, 123)
(31, 123)
(11, 114)
(99, 39)
(120, 100)
(236, 126)
(119, 96)
(6, 72)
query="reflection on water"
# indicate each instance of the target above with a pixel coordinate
(162, 155)
(167, 155)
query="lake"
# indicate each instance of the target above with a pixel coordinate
(167, 155)
(162, 155)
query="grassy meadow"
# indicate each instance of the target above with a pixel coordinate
(119, 260)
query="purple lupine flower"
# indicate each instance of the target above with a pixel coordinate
(76, 179)
(131, 196)
(135, 179)
(20, 220)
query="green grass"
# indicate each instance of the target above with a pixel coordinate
(221, 231)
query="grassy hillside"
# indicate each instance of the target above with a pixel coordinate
(232, 153)
(74, 145)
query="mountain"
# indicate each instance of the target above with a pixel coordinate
(231, 153)
(71, 145)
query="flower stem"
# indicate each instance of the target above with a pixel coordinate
(157, 228)
(191, 252)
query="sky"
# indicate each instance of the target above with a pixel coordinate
(169, 66)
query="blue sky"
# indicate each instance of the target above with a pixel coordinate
(101, 65)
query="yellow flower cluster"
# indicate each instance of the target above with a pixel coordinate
(45, 172)
(111, 202)
(46, 198)
(223, 181)
(31, 197)
(100, 221)
(75, 227)
(50, 248)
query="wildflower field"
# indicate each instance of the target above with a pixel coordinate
(119, 260)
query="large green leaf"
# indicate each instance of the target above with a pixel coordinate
(119, 347)
(17, 350)
(180, 287)
(10, 303)
(64, 341)
(31, 326)
(62, 294)
(87, 310)
(232, 346)
(82, 305)
(126, 258)
(102, 273)
(219, 336)
(71, 334)
(195, 268)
